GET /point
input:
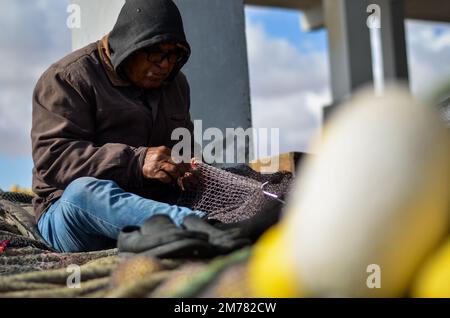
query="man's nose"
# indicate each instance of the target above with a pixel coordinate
(164, 63)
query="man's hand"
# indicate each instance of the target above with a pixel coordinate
(159, 165)
(189, 181)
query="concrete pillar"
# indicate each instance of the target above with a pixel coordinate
(97, 18)
(349, 44)
(218, 68)
(393, 41)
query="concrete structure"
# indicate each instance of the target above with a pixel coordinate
(350, 39)
(348, 34)
(432, 10)
(349, 44)
(218, 70)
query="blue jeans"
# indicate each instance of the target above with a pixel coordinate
(91, 213)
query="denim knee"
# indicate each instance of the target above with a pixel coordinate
(78, 188)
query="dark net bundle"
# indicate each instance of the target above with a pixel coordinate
(16, 197)
(22, 249)
(233, 194)
(444, 109)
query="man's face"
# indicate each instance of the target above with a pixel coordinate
(146, 69)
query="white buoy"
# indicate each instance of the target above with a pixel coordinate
(374, 200)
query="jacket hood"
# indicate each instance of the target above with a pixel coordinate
(144, 23)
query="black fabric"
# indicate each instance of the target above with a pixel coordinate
(224, 241)
(144, 23)
(160, 237)
(252, 228)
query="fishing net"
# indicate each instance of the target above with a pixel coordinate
(16, 197)
(445, 114)
(30, 268)
(444, 109)
(233, 194)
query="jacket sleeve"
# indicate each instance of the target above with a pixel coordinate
(63, 134)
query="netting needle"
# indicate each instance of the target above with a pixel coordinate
(269, 194)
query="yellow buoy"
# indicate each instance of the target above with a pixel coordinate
(434, 278)
(373, 201)
(271, 269)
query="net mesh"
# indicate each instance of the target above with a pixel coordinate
(228, 195)
(234, 194)
(16, 197)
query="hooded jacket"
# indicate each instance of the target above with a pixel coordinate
(89, 121)
(143, 24)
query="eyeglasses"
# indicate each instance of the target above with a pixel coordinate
(157, 56)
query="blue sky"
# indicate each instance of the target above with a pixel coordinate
(33, 36)
(288, 73)
(282, 23)
(15, 170)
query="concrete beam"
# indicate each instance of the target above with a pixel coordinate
(312, 10)
(313, 18)
(433, 10)
(287, 4)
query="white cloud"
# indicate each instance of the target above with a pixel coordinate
(298, 116)
(36, 36)
(429, 55)
(288, 88)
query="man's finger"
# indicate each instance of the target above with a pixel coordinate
(171, 161)
(165, 150)
(164, 177)
(170, 169)
(181, 167)
(180, 183)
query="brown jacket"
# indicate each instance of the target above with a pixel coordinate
(89, 122)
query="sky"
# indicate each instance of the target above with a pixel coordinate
(289, 72)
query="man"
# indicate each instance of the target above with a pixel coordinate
(101, 131)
